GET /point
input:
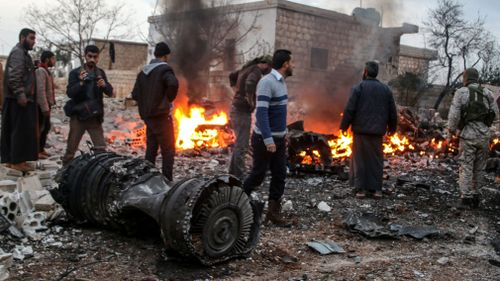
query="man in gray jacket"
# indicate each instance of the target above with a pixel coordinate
(474, 134)
(155, 89)
(19, 137)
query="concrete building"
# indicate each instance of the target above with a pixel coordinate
(329, 50)
(130, 57)
(415, 60)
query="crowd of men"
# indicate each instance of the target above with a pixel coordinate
(259, 87)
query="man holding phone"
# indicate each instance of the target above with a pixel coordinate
(86, 88)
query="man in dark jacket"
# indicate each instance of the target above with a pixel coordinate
(371, 112)
(242, 108)
(86, 88)
(155, 89)
(19, 140)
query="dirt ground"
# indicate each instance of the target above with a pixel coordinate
(425, 194)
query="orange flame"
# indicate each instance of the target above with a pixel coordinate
(341, 147)
(397, 144)
(310, 157)
(189, 134)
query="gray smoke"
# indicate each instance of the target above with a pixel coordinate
(187, 24)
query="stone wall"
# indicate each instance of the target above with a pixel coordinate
(122, 82)
(128, 55)
(415, 60)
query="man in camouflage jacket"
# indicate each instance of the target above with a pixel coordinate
(474, 139)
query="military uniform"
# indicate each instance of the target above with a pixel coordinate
(474, 140)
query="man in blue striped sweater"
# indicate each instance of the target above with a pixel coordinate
(268, 138)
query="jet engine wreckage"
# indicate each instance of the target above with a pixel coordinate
(209, 219)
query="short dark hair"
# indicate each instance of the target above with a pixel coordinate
(372, 69)
(25, 32)
(46, 55)
(91, 49)
(280, 57)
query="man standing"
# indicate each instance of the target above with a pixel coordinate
(268, 138)
(241, 111)
(19, 140)
(473, 111)
(371, 112)
(155, 89)
(86, 88)
(45, 97)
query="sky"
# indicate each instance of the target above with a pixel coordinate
(410, 11)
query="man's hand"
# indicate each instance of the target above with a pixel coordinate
(22, 101)
(83, 75)
(271, 147)
(101, 83)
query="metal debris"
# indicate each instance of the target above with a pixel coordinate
(326, 247)
(371, 226)
(210, 219)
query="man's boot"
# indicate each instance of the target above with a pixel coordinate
(274, 215)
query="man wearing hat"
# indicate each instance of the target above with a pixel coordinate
(241, 111)
(472, 112)
(155, 89)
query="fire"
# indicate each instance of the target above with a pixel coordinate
(310, 157)
(395, 144)
(341, 147)
(195, 130)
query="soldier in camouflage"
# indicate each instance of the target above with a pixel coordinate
(474, 136)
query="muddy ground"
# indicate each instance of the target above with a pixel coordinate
(420, 191)
(425, 194)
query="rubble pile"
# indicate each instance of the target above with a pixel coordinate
(430, 238)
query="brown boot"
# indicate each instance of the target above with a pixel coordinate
(274, 215)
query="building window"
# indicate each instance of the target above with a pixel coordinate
(319, 58)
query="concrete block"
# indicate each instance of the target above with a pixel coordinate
(31, 183)
(34, 224)
(8, 185)
(4, 171)
(45, 203)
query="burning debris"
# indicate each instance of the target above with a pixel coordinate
(196, 131)
(210, 219)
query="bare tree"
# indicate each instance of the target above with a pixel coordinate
(460, 43)
(69, 25)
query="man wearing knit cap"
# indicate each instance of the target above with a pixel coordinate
(155, 89)
(472, 112)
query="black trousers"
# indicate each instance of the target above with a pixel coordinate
(44, 125)
(19, 140)
(264, 160)
(160, 134)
